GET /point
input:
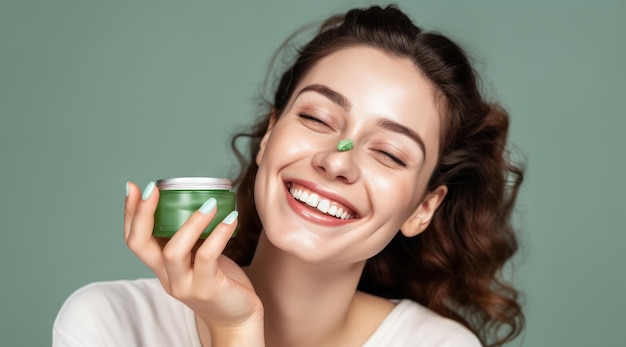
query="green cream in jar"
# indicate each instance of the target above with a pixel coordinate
(180, 197)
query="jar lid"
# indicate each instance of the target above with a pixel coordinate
(182, 183)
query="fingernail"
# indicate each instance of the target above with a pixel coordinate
(208, 206)
(148, 191)
(231, 218)
(127, 189)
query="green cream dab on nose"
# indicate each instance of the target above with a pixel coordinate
(345, 145)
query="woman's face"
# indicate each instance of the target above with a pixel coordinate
(326, 205)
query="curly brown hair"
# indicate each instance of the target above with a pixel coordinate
(454, 267)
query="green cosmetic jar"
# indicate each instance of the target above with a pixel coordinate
(180, 197)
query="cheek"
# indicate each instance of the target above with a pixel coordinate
(283, 145)
(279, 149)
(396, 196)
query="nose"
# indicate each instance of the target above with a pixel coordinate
(337, 165)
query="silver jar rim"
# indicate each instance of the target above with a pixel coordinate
(194, 183)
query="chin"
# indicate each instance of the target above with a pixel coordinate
(302, 244)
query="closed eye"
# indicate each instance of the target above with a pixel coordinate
(310, 118)
(392, 158)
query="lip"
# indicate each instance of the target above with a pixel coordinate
(311, 214)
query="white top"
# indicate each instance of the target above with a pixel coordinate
(141, 313)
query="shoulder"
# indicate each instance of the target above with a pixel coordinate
(113, 312)
(106, 297)
(411, 324)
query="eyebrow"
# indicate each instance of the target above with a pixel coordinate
(332, 95)
(384, 123)
(390, 125)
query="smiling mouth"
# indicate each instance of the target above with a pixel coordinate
(320, 203)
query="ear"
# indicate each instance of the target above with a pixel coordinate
(263, 143)
(420, 219)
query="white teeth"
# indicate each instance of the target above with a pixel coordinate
(313, 200)
(304, 197)
(323, 205)
(332, 210)
(339, 212)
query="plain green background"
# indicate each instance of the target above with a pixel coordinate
(95, 94)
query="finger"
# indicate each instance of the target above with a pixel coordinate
(140, 239)
(207, 255)
(130, 206)
(177, 253)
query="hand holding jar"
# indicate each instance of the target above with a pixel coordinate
(195, 272)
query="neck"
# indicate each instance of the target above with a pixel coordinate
(304, 303)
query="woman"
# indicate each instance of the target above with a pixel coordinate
(375, 212)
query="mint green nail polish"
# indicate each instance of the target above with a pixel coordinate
(231, 218)
(127, 189)
(148, 191)
(208, 206)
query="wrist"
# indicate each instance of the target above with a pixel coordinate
(250, 333)
(247, 332)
